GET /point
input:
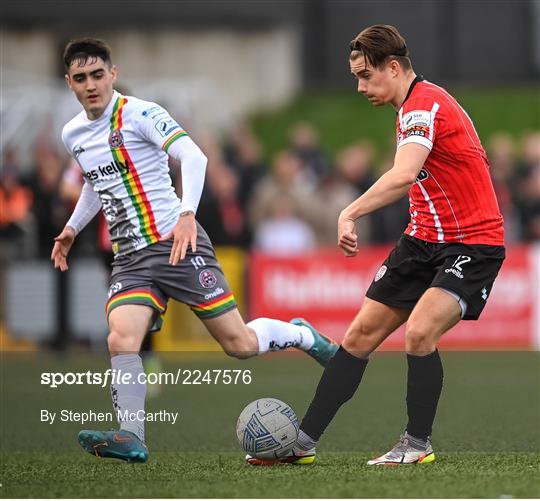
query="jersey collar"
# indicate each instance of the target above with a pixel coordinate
(419, 78)
(108, 111)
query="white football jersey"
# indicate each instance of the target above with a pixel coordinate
(123, 155)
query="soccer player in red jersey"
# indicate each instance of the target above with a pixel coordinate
(444, 265)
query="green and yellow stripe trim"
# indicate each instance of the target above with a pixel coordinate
(172, 139)
(215, 307)
(136, 297)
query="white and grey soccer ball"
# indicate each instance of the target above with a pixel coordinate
(267, 428)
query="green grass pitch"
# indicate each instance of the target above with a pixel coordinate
(486, 436)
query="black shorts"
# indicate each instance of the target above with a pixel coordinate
(146, 277)
(414, 265)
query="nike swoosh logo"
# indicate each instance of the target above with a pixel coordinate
(120, 438)
(95, 447)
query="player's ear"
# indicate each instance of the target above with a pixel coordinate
(68, 80)
(114, 73)
(394, 67)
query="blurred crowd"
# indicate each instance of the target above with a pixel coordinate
(289, 204)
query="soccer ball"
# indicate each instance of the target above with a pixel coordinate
(267, 428)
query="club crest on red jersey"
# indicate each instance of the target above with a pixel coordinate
(380, 273)
(116, 139)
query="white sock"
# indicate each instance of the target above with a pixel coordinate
(304, 442)
(128, 399)
(274, 335)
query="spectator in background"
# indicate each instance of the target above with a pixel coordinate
(352, 177)
(502, 158)
(50, 211)
(528, 186)
(304, 142)
(221, 211)
(356, 165)
(49, 208)
(15, 205)
(283, 233)
(243, 153)
(284, 179)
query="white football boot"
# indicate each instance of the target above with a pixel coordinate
(409, 450)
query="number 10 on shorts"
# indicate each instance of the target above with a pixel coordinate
(197, 262)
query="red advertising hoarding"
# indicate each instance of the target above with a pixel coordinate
(328, 289)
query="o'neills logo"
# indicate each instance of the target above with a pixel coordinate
(218, 292)
(116, 140)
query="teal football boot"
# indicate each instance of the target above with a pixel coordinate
(323, 349)
(117, 444)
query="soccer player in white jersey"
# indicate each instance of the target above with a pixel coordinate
(122, 144)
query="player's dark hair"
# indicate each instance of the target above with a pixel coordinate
(379, 44)
(83, 49)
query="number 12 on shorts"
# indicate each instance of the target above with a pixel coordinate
(456, 267)
(461, 260)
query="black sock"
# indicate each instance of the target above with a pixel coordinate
(338, 383)
(424, 386)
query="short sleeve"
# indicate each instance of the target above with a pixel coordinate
(156, 125)
(418, 122)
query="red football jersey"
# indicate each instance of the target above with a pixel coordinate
(453, 199)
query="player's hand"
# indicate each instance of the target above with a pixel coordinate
(347, 237)
(184, 234)
(62, 245)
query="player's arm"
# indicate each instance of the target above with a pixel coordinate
(87, 207)
(158, 127)
(389, 188)
(193, 168)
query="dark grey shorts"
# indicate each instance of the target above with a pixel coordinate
(146, 277)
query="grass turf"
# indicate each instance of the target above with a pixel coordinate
(335, 475)
(486, 436)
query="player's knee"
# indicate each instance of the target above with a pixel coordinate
(419, 338)
(238, 347)
(362, 338)
(119, 342)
